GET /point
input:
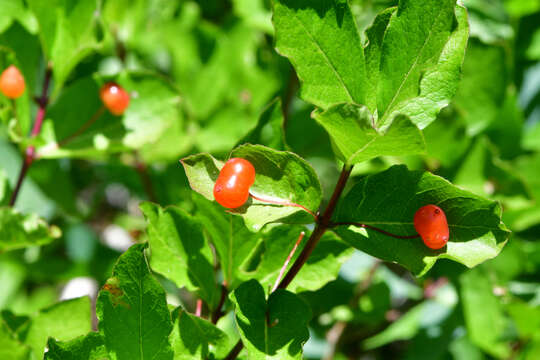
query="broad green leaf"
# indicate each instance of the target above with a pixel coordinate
(68, 33)
(132, 311)
(269, 130)
(280, 176)
(255, 14)
(10, 346)
(421, 56)
(482, 89)
(19, 230)
(489, 21)
(389, 200)
(5, 189)
(63, 321)
(484, 317)
(321, 40)
(179, 250)
(270, 329)
(233, 241)
(195, 338)
(88, 347)
(355, 139)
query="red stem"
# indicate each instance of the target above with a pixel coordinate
(284, 267)
(198, 310)
(283, 203)
(42, 101)
(375, 229)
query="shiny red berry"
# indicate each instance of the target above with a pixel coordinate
(12, 82)
(232, 185)
(114, 97)
(430, 223)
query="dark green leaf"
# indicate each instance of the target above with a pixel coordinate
(132, 311)
(179, 250)
(88, 347)
(273, 329)
(355, 139)
(11, 347)
(269, 130)
(389, 200)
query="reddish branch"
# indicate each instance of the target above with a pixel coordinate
(30, 154)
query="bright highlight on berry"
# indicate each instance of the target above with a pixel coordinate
(231, 189)
(114, 97)
(430, 223)
(12, 82)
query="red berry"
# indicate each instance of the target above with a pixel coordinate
(430, 223)
(12, 82)
(232, 185)
(114, 97)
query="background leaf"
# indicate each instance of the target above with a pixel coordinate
(89, 347)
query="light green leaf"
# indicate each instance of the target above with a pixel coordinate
(5, 189)
(88, 347)
(67, 32)
(482, 89)
(21, 230)
(355, 139)
(179, 250)
(280, 176)
(420, 78)
(132, 311)
(15, 10)
(11, 347)
(389, 200)
(321, 40)
(484, 317)
(195, 338)
(273, 329)
(255, 14)
(63, 321)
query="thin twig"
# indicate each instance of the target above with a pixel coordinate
(284, 267)
(375, 229)
(217, 314)
(42, 101)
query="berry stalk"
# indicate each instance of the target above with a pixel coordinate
(283, 203)
(30, 154)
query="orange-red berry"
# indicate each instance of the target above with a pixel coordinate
(430, 223)
(231, 189)
(12, 82)
(114, 97)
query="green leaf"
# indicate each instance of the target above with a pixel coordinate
(179, 250)
(270, 329)
(63, 321)
(281, 176)
(255, 14)
(195, 338)
(67, 32)
(389, 200)
(15, 10)
(269, 130)
(355, 139)
(11, 347)
(20, 230)
(5, 189)
(321, 40)
(484, 317)
(88, 347)
(420, 78)
(132, 311)
(233, 241)
(482, 89)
